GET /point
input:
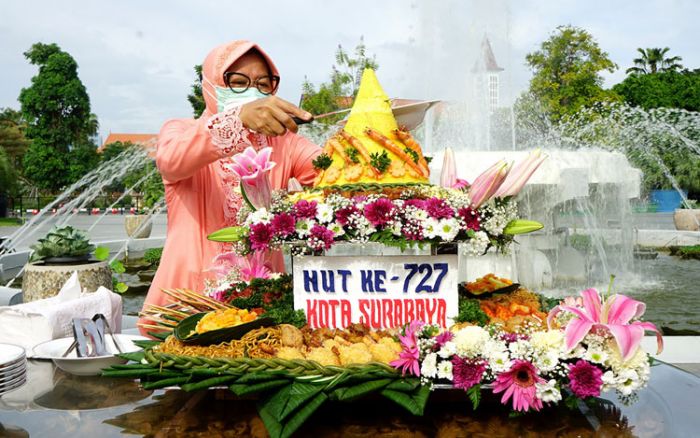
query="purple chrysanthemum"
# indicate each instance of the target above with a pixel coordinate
(260, 236)
(585, 379)
(418, 203)
(442, 339)
(470, 218)
(467, 372)
(379, 212)
(438, 209)
(305, 209)
(283, 224)
(342, 215)
(320, 238)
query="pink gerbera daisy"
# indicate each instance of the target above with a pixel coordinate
(519, 382)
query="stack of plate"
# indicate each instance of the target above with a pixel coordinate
(13, 367)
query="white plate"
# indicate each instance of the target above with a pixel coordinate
(18, 372)
(13, 387)
(85, 366)
(9, 354)
(12, 369)
(13, 382)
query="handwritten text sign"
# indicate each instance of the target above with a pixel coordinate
(382, 292)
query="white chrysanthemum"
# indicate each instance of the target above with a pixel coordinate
(448, 229)
(609, 381)
(275, 275)
(417, 214)
(444, 370)
(548, 361)
(337, 229)
(429, 366)
(304, 226)
(448, 350)
(628, 381)
(547, 340)
(548, 391)
(616, 362)
(595, 355)
(324, 213)
(470, 340)
(431, 227)
(499, 361)
(493, 347)
(261, 215)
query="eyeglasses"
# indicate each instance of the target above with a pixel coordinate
(239, 83)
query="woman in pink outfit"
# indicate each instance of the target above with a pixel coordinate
(239, 83)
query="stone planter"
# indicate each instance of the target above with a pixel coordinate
(687, 219)
(132, 223)
(44, 281)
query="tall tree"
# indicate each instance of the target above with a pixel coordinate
(195, 98)
(60, 125)
(567, 72)
(654, 60)
(668, 89)
(12, 139)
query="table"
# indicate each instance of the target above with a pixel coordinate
(56, 404)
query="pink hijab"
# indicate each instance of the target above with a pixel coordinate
(218, 61)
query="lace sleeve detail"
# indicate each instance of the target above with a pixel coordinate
(227, 132)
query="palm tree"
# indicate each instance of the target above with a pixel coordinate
(653, 60)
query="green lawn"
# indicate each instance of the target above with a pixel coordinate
(10, 222)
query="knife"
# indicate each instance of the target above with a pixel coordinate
(300, 121)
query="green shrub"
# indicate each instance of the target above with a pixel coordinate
(152, 256)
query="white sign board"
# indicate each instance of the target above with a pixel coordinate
(381, 292)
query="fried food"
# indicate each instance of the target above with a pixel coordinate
(223, 319)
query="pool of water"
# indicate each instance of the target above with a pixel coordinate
(668, 285)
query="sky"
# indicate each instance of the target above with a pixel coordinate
(136, 58)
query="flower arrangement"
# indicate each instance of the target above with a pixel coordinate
(481, 214)
(574, 358)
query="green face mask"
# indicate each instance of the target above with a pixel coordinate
(226, 98)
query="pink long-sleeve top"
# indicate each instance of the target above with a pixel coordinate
(192, 157)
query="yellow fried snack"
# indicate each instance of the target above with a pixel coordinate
(354, 354)
(289, 353)
(323, 356)
(224, 319)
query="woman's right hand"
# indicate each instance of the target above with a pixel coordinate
(271, 116)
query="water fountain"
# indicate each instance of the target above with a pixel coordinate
(65, 208)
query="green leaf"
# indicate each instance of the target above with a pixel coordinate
(404, 385)
(357, 391)
(230, 234)
(296, 420)
(299, 394)
(413, 403)
(101, 253)
(474, 394)
(121, 287)
(117, 267)
(243, 389)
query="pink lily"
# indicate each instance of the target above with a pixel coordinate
(253, 169)
(614, 316)
(520, 174)
(249, 267)
(486, 184)
(448, 176)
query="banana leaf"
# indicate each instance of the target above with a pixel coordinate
(185, 330)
